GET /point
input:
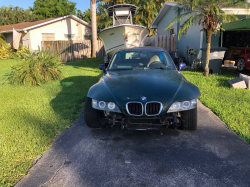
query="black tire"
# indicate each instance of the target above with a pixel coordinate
(92, 116)
(189, 119)
(241, 65)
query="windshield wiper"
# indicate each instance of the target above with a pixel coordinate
(138, 68)
(159, 68)
(120, 69)
(145, 68)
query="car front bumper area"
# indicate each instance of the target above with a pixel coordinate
(142, 122)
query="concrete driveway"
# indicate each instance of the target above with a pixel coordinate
(210, 156)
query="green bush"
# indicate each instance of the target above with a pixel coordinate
(37, 69)
(21, 53)
(6, 51)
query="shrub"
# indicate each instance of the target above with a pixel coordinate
(5, 51)
(37, 69)
(21, 52)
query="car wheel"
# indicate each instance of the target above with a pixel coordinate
(189, 119)
(241, 64)
(92, 116)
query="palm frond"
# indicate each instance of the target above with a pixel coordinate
(186, 24)
(177, 19)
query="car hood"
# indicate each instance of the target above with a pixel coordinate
(130, 85)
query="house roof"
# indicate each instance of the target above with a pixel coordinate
(38, 23)
(162, 12)
(168, 5)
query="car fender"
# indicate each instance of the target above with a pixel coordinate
(186, 91)
(100, 92)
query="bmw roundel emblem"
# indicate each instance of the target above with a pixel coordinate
(143, 98)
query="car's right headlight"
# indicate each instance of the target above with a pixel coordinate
(184, 105)
(108, 106)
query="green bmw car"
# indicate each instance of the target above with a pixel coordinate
(142, 89)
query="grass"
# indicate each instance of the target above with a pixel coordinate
(231, 105)
(32, 116)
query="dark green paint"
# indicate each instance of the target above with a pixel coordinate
(165, 86)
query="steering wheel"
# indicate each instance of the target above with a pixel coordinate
(153, 62)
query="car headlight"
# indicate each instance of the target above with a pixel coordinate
(184, 105)
(102, 105)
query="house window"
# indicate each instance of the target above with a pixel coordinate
(69, 36)
(171, 31)
(48, 36)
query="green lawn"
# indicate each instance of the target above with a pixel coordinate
(231, 105)
(32, 116)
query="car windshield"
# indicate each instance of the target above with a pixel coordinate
(141, 60)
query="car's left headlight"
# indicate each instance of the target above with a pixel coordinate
(108, 106)
(184, 105)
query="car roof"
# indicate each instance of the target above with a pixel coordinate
(140, 49)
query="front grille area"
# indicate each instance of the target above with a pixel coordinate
(153, 108)
(134, 108)
(148, 121)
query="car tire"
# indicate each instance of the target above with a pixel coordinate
(241, 65)
(92, 116)
(189, 119)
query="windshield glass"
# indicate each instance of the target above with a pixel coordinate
(141, 60)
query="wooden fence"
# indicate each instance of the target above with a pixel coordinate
(167, 42)
(73, 50)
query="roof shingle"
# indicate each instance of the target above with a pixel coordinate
(21, 26)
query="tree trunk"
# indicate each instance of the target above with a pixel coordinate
(208, 35)
(94, 28)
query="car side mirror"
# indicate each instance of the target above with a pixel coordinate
(181, 66)
(106, 59)
(102, 67)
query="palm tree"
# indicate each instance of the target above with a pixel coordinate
(94, 29)
(147, 12)
(209, 14)
(103, 20)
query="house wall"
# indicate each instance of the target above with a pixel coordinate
(192, 37)
(26, 39)
(60, 28)
(168, 17)
(190, 40)
(214, 40)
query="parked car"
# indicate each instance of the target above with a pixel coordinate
(244, 62)
(142, 89)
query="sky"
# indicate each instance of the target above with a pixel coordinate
(80, 4)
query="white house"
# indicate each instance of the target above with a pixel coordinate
(67, 27)
(195, 38)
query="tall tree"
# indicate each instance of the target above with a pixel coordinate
(53, 8)
(86, 15)
(12, 15)
(103, 20)
(209, 14)
(94, 28)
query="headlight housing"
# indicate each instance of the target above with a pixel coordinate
(108, 106)
(184, 105)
